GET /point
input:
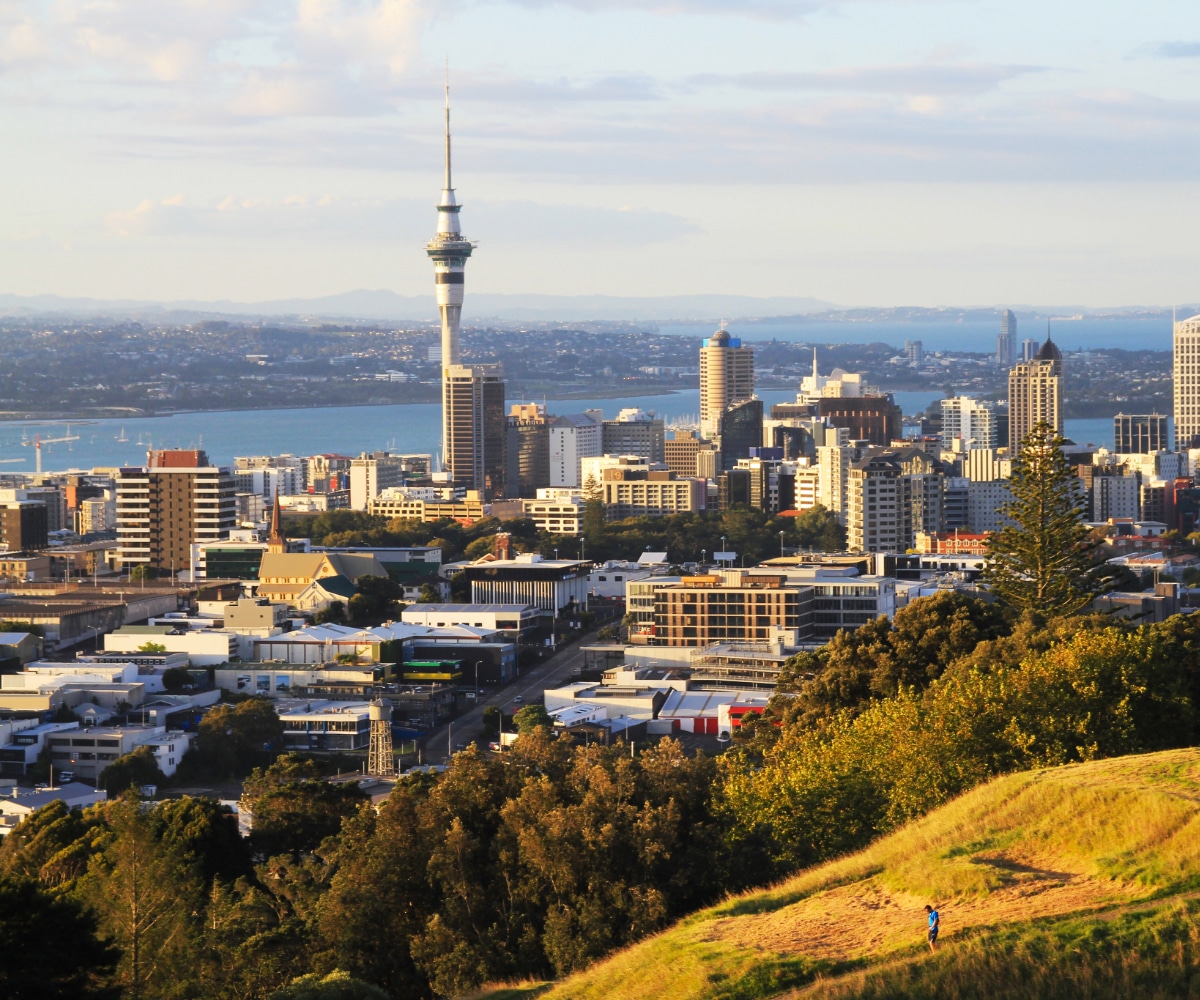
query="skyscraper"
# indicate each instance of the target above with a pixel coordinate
(1035, 394)
(726, 377)
(1187, 383)
(1006, 340)
(449, 252)
(476, 455)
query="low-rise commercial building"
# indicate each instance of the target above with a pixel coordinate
(20, 804)
(328, 725)
(513, 621)
(549, 584)
(87, 752)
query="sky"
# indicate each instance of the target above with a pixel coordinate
(860, 152)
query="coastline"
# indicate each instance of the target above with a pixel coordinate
(84, 416)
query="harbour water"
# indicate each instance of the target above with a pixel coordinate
(346, 430)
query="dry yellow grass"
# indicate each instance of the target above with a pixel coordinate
(1090, 842)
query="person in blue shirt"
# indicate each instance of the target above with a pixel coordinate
(934, 922)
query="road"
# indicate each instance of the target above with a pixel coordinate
(529, 686)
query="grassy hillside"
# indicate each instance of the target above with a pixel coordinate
(1072, 882)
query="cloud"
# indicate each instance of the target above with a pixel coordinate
(1180, 50)
(772, 9)
(245, 58)
(919, 79)
(375, 220)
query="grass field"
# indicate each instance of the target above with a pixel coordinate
(1072, 882)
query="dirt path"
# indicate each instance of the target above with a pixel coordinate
(868, 918)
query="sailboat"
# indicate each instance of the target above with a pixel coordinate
(122, 437)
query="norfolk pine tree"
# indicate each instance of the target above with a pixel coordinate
(1041, 563)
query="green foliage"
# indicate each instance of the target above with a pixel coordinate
(825, 789)
(176, 679)
(912, 649)
(143, 572)
(1042, 563)
(377, 599)
(10, 626)
(145, 896)
(152, 647)
(294, 809)
(232, 739)
(335, 986)
(50, 947)
(532, 717)
(429, 594)
(135, 769)
(335, 614)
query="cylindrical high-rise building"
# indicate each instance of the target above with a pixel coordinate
(449, 252)
(726, 377)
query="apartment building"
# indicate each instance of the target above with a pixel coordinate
(164, 509)
(891, 496)
(633, 491)
(731, 606)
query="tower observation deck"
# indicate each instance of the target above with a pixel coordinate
(449, 252)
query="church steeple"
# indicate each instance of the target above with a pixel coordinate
(275, 542)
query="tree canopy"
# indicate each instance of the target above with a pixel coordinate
(1042, 562)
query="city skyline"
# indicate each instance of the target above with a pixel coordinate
(949, 154)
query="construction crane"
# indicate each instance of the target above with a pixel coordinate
(38, 442)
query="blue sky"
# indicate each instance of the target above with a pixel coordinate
(878, 152)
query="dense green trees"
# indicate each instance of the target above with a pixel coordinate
(750, 532)
(232, 739)
(836, 780)
(50, 948)
(293, 808)
(136, 768)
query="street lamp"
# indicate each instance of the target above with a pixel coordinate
(722, 543)
(702, 552)
(477, 663)
(781, 545)
(556, 554)
(582, 548)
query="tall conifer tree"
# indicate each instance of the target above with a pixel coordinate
(1041, 563)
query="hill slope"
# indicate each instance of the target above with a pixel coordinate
(1079, 881)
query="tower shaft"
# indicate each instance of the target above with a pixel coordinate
(449, 252)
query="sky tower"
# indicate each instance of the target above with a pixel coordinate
(449, 252)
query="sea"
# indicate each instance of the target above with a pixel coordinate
(346, 430)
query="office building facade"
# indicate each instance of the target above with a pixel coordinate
(476, 429)
(1140, 433)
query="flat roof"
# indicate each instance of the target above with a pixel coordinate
(450, 609)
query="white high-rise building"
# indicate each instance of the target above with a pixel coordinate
(1187, 383)
(968, 423)
(573, 438)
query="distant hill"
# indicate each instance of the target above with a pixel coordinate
(385, 305)
(1079, 881)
